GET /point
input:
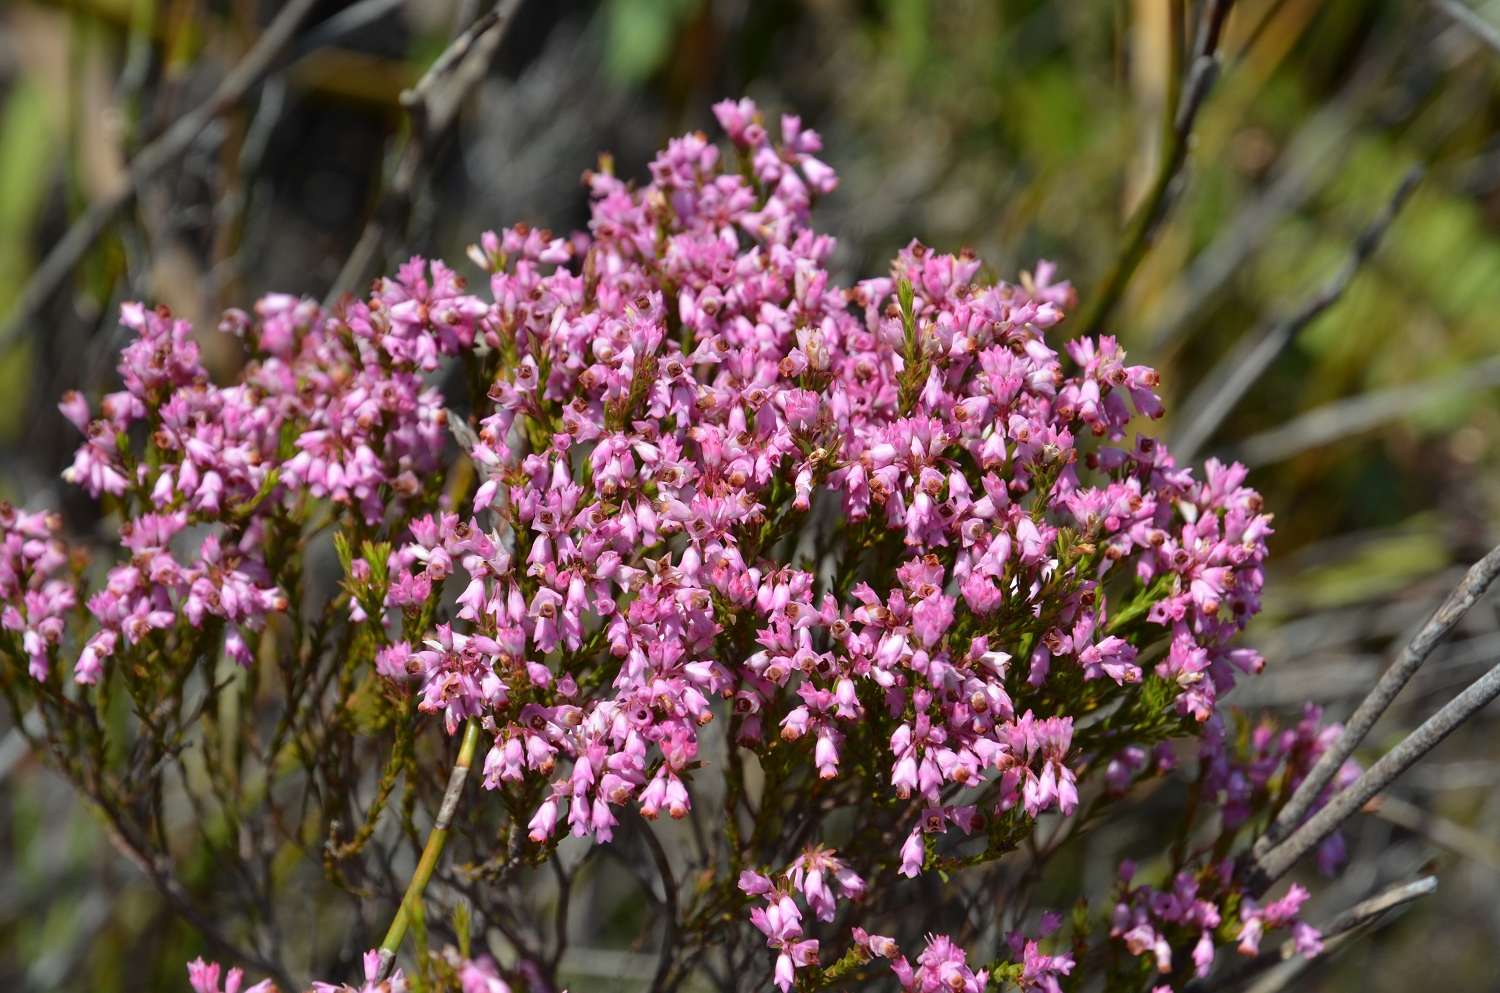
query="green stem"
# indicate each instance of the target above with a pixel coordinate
(1184, 100)
(411, 903)
(1137, 238)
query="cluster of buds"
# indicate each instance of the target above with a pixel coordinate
(780, 920)
(1149, 921)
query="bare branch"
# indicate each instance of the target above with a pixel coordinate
(59, 263)
(433, 105)
(1476, 25)
(158, 870)
(669, 904)
(1439, 830)
(1275, 863)
(1202, 72)
(344, 23)
(1438, 626)
(1360, 914)
(1224, 386)
(1355, 415)
(1367, 910)
(1310, 157)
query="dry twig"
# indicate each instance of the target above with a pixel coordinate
(1439, 626)
(1476, 25)
(1224, 386)
(1202, 71)
(1439, 830)
(345, 22)
(1311, 156)
(1355, 415)
(433, 105)
(1277, 861)
(155, 157)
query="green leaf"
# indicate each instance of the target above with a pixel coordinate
(463, 924)
(341, 546)
(266, 486)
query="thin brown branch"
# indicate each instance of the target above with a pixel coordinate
(1224, 386)
(1442, 622)
(1276, 862)
(159, 872)
(432, 105)
(155, 157)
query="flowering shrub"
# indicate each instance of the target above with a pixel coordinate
(873, 580)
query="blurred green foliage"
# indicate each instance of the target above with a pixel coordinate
(641, 34)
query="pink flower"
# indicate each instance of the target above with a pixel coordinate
(76, 409)
(459, 679)
(875, 944)
(395, 984)
(942, 965)
(1039, 972)
(753, 883)
(204, 978)
(481, 975)
(912, 855)
(1308, 939)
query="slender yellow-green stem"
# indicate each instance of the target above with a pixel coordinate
(1185, 98)
(411, 903)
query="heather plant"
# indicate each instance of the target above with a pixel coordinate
(880, 590)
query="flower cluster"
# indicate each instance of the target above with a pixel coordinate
(36, 603)
(943, 966)
(667, 411)
(476, 975)
(667, 384)
(1143, 916)
(1243, 771)
(1148, 920)
(1038, 972)
(328, 407)
(672, 380)
(204, 978)
(780, 920)
(396, 983)
(1280, 913)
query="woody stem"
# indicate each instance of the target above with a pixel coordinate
(411, 902)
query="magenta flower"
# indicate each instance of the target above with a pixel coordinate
(941, 966)
(481, 975)
(395, 984)
(1039, 972)
(458, 676)
(204, 978)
